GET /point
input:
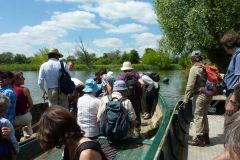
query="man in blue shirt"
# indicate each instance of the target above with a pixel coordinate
(231, 44)
(49, 72)
(7, 90)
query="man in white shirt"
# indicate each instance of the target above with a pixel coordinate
(49, 72)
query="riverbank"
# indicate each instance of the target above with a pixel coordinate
(80, 67)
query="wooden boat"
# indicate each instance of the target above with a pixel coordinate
(174, 145)
(146, 147)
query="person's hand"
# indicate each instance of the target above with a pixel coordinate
(6, 133)
(229, 108)
(44, 95)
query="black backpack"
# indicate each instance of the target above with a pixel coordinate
(66, 85)
(133, 86)
(114, 124)
(153, 75)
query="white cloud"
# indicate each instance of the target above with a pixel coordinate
(47, 33)
(146, 40)
(108, 42)
(116, 10)
(127, 28)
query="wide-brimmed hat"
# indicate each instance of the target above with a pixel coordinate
(126, 66)
(196, 54)
(54, 51)
(90, 86)
(119, 85)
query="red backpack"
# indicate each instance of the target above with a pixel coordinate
(215, 84)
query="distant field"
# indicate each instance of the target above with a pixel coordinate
(33, 67)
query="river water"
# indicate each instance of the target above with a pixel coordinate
(171, 91)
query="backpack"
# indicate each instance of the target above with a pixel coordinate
(6, 148)
(154, 76)
(214, 84)
(133, 86)
(66, 85)
(114, 125)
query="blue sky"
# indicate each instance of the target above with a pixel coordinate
(103, 25)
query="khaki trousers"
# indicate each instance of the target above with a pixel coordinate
(200, 106)
(56, 97)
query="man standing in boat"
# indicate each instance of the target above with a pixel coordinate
(196, 80)
(231, 44)
(49, 72)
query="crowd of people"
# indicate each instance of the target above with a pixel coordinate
(73, 120)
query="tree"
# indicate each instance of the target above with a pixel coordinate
(134, 57)
(40, 57)
(6, 58)
(20, 58)
(83, 55)
(190, 25)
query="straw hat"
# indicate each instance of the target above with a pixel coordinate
(55, 51)
(126, 66)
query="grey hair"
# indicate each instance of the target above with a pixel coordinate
(4, 101)
(232, 136)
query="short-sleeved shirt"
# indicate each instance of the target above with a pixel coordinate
(6, 123)
(231, 77)
(126, 104)
(87, 115)
(10, 93)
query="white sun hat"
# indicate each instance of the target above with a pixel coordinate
(77, 81)
(126, 66)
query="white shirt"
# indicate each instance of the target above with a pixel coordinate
(49, 71)
(87, 114)
(126, 104)
(148, 81)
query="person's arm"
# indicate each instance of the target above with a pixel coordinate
(90, 154)
(192, 77)
(29, 98)
(41, 82)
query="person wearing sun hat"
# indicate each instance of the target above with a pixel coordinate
(87, 109)
(49, 72)
(128, 73)
(200, 101)
(119, 91)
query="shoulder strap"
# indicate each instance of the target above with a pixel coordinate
(89, 145)
(62, 66)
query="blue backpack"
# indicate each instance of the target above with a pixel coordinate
(66, 85)
(114, 125)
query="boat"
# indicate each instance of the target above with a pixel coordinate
(146, 147)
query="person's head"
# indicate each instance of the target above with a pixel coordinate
(70, 65)
(230, 41)
(232, 136)
(11, 77)
(127, 66)
(120, 86)
(102, 71)
(19, 78)
(90, 86)
(79, 86)
(58, 127)
(4, 81)
(196, 56)
(4, 103)
(54, 53)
